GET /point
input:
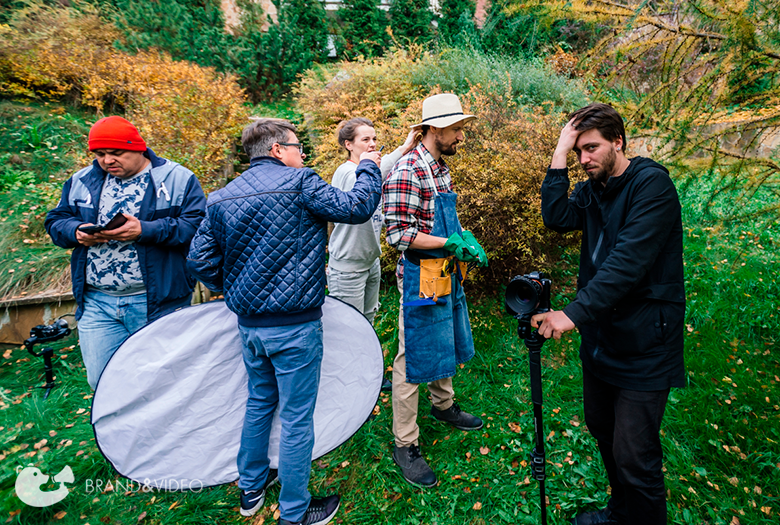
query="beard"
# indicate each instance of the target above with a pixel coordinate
(606, 170)
(446, 149)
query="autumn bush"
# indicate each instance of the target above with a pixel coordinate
(187, 113)
(497, 171)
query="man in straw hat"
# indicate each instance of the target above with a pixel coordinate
(434, 330)
(131, 268)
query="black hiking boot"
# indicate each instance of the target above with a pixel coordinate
(457, 418)
(414, 469)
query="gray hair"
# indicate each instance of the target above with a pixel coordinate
(259, 137)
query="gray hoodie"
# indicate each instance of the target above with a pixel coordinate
(355, 247)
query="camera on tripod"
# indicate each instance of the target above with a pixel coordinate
(43, 334)
(526, 296)
(51, 332)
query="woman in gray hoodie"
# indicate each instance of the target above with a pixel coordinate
(353, 265)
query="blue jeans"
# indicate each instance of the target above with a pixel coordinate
(107, 321)
(283, 364)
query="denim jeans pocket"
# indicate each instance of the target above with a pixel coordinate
(295, 347)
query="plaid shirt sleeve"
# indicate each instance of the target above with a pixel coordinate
(402, 203)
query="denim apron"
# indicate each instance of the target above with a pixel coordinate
(437, 336)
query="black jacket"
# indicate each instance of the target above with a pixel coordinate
(630, 304)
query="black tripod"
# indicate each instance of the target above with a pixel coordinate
(534, 341)
(44, 334)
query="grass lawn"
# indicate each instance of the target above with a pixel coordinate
(721, 434)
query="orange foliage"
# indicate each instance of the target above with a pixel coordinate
(185, 112)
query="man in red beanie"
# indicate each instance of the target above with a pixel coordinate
(129, 218)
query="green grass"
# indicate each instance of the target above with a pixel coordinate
(39, 150)
(721, 434)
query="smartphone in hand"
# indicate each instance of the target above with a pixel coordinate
(115, 222)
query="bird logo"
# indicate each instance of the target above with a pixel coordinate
(29, 481)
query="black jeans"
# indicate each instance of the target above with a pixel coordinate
(626, 424)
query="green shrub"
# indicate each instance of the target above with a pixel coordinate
(364, 29)
(531, 82)
(411, 21)
(456, 23)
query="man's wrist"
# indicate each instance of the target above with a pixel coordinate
(559, 160)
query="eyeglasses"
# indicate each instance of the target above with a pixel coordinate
(296, 144)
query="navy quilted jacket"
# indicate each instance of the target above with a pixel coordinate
(263, 240)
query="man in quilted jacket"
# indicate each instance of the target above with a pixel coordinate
(262, 244)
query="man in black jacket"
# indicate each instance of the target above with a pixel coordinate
(630, 304)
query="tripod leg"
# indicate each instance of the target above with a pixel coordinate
(48, 371)
(537, 456)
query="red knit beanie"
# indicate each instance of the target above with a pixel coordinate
(115, 133)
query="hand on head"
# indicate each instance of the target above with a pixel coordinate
(566, 143)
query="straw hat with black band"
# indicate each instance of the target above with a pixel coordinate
(441, 111)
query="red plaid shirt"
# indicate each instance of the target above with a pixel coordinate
(408, 195)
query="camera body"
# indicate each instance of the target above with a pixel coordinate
(526, 296)
(52, 332)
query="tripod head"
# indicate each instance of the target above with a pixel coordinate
(46, 333)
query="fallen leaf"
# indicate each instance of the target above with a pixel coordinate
(141, 516)
(477, 506)
(61, 514)
(514, 427)
(484, 451)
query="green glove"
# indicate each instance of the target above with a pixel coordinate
(475, 248)
(460, 248)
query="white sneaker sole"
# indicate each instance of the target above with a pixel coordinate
(328, 519)
(253, 510)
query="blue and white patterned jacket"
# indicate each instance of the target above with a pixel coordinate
(171, 211)
(263, 239)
